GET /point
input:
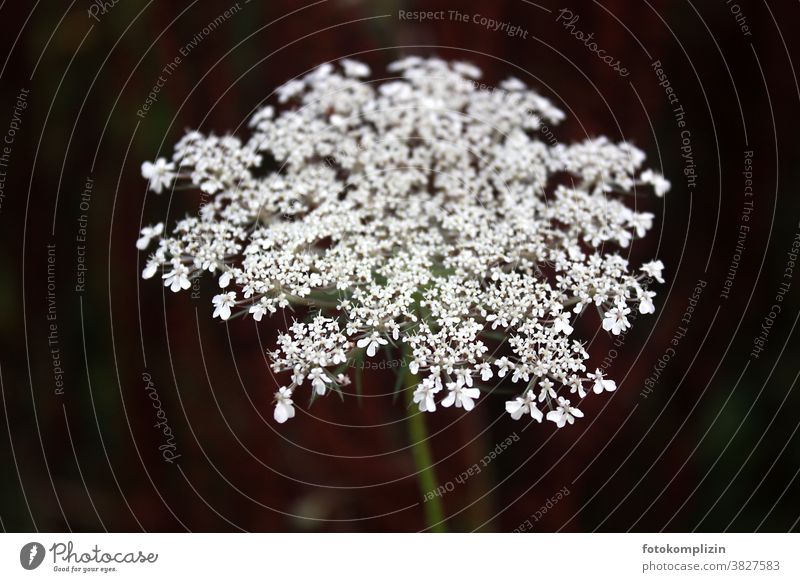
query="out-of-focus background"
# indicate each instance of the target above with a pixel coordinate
(701, 434)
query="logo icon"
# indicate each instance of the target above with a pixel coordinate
(31, 555)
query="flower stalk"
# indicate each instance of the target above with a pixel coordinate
(423, 457)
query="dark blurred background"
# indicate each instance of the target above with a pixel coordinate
(708, 443)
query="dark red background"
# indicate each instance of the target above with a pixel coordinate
(714, 447)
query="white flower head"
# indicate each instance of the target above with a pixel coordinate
(564, 414)
(151, 268)
(223, 303)
(654, 269)
(601, 383)
(372, 342)
(615, 319)
(284, 406)
(425, 392)
(546, 389)
(319, 380)
(258, 310)
(160, 174)
(660, 184)
(561, 323)
(646, 304)
(409, 214)
(148, 233)
(354, 68)
(461, 396)
(522, 405)
(641, 222)
(486, 371)
(178, 278)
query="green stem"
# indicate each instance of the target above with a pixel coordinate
(423, 458)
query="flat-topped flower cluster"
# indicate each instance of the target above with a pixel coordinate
(421, 213)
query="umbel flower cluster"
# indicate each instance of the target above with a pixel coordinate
(422, 213)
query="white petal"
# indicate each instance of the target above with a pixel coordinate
(471, 392)
(149, 271)
(513, 406)
(281, 413)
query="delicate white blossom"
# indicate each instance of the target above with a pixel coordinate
(425, 392)
(423, 214)
(259, 309)
(660, 184)
(354, 68)
(460, 395)
(223, 303)
(372, 342)
(178, 278)
(564, 413)
(522, 405)
(148, 233)
(150, 269)
(654, 269)
(615, 319)
(284, 406)
(319, 380)
(601, 383)
(546, 390)
(561, 323)
(646, 302)
(641, 222)
(160, 174)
